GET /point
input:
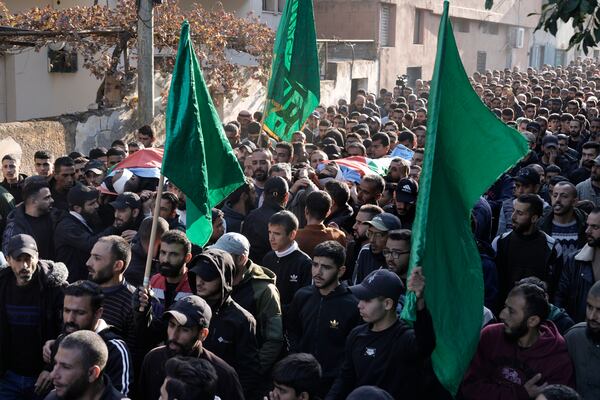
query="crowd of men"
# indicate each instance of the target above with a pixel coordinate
(298, 292)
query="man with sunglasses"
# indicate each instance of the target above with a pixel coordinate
(371, 255)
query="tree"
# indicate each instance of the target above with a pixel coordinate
(583, 14)
(106, 39)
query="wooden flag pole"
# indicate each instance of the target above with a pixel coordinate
(159, 192)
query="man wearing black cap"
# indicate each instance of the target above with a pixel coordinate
(590, 188)
(77, 232)
(128, 214)
(232, 329)
(527, 181)
(551, 155)
(94, 172)
(188, 321)
(322, 315)
(255, 225)
(30, 314)
(371, 255)
(384, 351)
(405, 198)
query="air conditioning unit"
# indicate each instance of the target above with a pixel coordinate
(516, 37)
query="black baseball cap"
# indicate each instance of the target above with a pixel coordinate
(385, 222)
(550, 140)
(22, 244)
(125, 200)
(407, 190)
(369, 393)
(203, 268)
(95, 166)
(190, 311)
(379, 283)
(528, 176)
(79, 194)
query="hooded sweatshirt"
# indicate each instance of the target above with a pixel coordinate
(232, 330)
(500, 367)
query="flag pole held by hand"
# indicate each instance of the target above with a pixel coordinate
(159, 192)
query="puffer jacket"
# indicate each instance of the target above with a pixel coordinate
(575, 282)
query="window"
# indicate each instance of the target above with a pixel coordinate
(419, 31)
(462, 25)
(280, 5)
(481, 60)
(412, 74)
(62, 60)
(268, 5)
(560, 57)
(387, 22)
(491, 28)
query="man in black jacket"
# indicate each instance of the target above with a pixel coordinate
(385, 352)
(62, 181)
(255, 225)
(188, 321)
(34, 217)
(82, 310)
(77, 232)
(232, 330)
(290, 264)
(30, 314)
(322, 315)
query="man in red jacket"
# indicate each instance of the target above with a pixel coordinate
(519, 357)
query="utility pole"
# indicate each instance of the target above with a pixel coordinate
(145, 65)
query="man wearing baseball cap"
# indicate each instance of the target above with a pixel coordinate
(32, 295)
(128, 214)
(188, 321)
(371, 255)
(405, 198)
(385, 352)
(254, 289)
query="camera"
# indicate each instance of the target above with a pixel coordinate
(401, 80)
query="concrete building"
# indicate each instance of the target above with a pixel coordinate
(554, 50)
(267, 11)
(405, 33)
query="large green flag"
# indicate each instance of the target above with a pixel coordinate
(198, 158)
(468, 148)
(294, 87)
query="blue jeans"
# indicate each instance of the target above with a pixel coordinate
(17, 387)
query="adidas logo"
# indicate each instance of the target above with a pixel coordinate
(222, 340)
(372, 278)
(407, 189)
(370, 352)
(294, 278)
(334, 324)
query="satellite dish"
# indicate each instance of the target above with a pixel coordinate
(57, 46)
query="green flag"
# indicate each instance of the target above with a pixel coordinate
(294, 87)
(468, 148)
(198, 158)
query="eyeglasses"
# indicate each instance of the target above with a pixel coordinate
(376, 235)
(394, 253)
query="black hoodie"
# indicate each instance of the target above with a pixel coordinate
(232, 330)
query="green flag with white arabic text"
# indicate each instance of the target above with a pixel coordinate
(468, 148)
(198, 158)
(294, 86)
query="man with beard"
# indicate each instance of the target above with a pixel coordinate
(188, 321)
(405, 197)
(62, 180)
(34, 217)
(77, 232)
(369, 190)
(583, 341)
(238, 205)
(397, 257)
(108, 261)
(517, 358)
(79, 369)
(589, 152)
(322, 315)
(565, 223)
(82, 310)
(581, 271)
(32, 295)
(170, 284)
(128, 214)
(232, 330)
(359, 233)
(261, 164)
(526, 250)
(590, 188)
